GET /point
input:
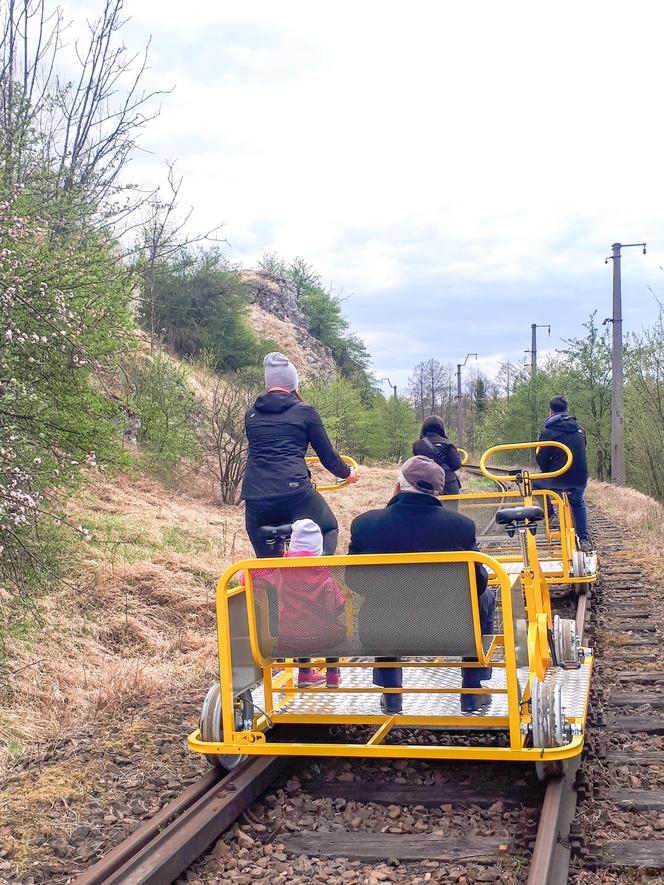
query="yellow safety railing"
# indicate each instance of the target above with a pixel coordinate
(464, 455)
(527, 445)
(339, 485)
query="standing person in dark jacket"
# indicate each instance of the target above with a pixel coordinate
(563, 428)
(277, 487)
(415, 521)
(435, 445)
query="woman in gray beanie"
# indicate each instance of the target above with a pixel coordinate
(277, 487)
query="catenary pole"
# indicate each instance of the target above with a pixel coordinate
(533, 375)
(617, 368)
(459, 420)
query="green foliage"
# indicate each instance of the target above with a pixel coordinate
(644, 410)
(196, 304)
(346, 418)
(167, 409)
(385, 429)
(582, 372)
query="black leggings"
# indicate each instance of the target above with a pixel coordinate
(309, 504)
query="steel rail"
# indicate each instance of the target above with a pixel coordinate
(551, 854)
(164, 846)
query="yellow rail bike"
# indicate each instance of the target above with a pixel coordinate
(560, 558)
(423, 609)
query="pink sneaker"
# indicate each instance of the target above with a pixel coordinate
(333, 678)
(310, 678)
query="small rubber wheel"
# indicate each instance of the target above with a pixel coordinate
(212, 730)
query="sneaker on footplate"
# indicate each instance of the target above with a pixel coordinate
(333, 678)
(391, 704)
(471, 703)
(585, 546)
(310, 679)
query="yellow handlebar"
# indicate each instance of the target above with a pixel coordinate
(344, 482)
(528, 445)
(464, 455)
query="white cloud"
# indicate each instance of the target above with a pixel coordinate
(474, 160)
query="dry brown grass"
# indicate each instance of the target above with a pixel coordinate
(136, 621)
(642, 517)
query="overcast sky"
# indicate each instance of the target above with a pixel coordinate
(459, 170)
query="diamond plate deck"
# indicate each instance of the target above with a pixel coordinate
(575, 686)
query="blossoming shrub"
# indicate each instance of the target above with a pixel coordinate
(64, 322)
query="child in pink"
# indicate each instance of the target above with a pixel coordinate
(311, 605)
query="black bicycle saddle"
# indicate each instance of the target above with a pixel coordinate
(274, 532)
(511, 515)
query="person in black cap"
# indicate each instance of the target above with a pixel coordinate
(414, 521)
(564, 428)
(277, 486)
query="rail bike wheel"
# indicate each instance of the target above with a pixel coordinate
(565, 642)
(212, 729)
(548, 724)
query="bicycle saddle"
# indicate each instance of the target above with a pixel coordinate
(511, 515)
(274, 532)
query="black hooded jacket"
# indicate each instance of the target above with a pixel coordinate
(564, 428)
(280, 429)
(445, 454)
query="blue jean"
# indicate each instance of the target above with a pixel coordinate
(471, 676)
(576, 503)
(392, 677)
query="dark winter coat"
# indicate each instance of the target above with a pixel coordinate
(444, 453)
(411, 523)
(280, 429)
(564, 428)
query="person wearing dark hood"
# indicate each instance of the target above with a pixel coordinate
(435, 445)
(564, 428)
(277, 487)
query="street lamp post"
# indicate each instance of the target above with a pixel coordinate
(617, 371)
(393, 386)
(458, 400)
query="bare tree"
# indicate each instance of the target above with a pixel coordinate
(428, 388)
(224, 440)
(79, 131)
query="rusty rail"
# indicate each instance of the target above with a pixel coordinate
(551, 855)
(163, 847)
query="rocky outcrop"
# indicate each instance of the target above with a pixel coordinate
(275, 314)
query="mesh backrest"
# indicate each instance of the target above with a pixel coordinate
(396, 609)
(483, 513)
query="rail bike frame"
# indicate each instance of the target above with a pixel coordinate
(562, 544)
(526, 619)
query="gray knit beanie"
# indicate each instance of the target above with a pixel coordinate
(306, 537)
(280, 372)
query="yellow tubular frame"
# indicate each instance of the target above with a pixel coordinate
(527, 445)
(254, 743)
(464, 455)
(339, 485)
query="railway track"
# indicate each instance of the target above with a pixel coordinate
(165, 846)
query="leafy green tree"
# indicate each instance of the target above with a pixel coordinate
(166, 408)
(346, 418)
(199, 305)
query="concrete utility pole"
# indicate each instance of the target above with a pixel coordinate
(458, 400)
(393, 386)
(533, 375)
(617, 372)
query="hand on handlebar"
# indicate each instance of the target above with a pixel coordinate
(352, 476)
